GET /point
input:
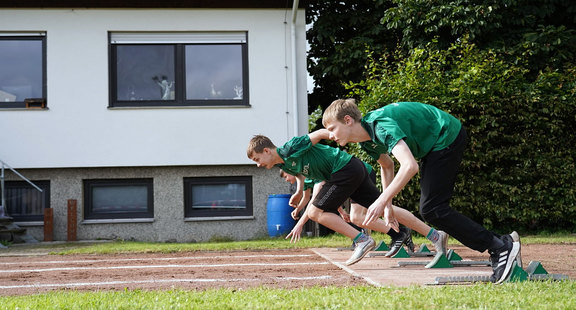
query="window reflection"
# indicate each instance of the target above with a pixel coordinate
(21, 67)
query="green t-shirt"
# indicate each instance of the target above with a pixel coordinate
(310, 183)
(423, 127)
(317, 162)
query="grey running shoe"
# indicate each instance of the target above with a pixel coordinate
(441, 244)
(503, 260)
(441, 248)
(405, 234)
(362, 248)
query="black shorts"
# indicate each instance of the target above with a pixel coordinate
(352, 181)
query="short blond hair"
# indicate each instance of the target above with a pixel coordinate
(257, 145)
(340, 108)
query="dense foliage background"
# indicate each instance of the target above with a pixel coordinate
(506, 68)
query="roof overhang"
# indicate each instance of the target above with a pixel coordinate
(168, 4)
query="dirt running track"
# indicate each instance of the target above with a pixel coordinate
(35, 273)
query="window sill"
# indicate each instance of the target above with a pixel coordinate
(221, 218)
(181, 107)
(30, 223)
(117, 221)
(24, 109)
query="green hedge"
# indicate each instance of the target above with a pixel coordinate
(518, 171)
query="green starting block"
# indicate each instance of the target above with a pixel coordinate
(423, 249)
(453, 256)
(534, 272)
(401, 254)
(535, 267)
(382, 247)
(450, 260)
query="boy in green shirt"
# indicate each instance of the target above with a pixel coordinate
(411, 131)
(345, 177)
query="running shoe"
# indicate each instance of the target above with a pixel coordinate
(396, 244)
(514, 237)
(362, 248)
(503, 260)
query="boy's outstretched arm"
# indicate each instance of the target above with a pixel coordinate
(296, 232)
(297, 196)
(383, 205)
(319, 135)
(303, 202)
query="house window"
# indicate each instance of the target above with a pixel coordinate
(118, 199)
(178, 69)
(22, 70)
(26, 203)
(218, 196)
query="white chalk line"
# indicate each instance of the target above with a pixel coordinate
(159, 266)
(152, 259)
(63, 285)
(349, 270)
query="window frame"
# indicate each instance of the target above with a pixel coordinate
(42, 184)
(179, 70)
(90, 184)
(29, 102)
(190, 212)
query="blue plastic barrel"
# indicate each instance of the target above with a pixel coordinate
(280, 221)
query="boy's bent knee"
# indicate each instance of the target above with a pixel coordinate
(357, 221)
(314, 213)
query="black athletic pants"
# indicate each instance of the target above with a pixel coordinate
(437, 178)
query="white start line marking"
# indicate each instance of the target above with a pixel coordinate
(64, 285)
(152, 259)
(157, 266)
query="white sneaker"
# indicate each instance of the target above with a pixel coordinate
(441, 244)
(362, 248)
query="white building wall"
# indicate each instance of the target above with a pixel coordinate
(79, 130)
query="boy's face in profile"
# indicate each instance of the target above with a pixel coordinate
(264, 159)
(289, 178)
(340, 130)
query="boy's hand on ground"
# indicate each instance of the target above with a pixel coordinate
(390, 219)
(294, 235)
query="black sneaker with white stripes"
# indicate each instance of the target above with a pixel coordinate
(503, 260)
(405, 235)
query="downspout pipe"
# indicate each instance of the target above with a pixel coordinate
(295, 110)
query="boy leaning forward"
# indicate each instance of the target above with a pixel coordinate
(345, 177)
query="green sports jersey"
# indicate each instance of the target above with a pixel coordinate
(423, 127)
(317, 162)
(368, 167)
(310, 183)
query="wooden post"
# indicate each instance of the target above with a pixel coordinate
(48, 224)
(72, 215)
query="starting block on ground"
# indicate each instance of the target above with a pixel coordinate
(450, 260)
(381, 247)
(402, 253)
(534, 272)
(423, 251)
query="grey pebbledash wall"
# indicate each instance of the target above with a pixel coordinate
(169, 223)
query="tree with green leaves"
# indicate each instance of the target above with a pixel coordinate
(339, 36)
(541, 32)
